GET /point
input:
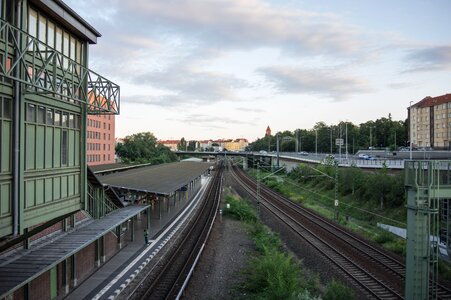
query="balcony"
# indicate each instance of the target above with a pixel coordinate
(44, 70)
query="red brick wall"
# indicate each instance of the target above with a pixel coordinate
(19, 294)
(101, 139)
(40, 287)
(85, 260)
(110, 245)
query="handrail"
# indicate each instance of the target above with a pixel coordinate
(44, 70)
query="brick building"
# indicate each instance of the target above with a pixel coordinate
(101, 140)
(430, 122)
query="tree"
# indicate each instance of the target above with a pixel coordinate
(182, 146)
(143, 148)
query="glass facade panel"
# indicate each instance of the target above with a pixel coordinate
(7, 109)
(51, 34)
(57, 118)
(49, 116)
(31, 113)
(59, 40)
(65, 120)
(42, 29)
(32, 23)
(41, 115)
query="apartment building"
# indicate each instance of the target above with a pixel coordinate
(430, 122)
(171, 144)
(101, 139)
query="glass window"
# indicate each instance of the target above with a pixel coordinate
(64, 148)
(59, 40)
(51, 34)
(31, 113)
(41, 115)
(7, 108)
(32, 23)
(57, 118)
(66, 44)
(49, 116)
(71, 121)
(65, 120)
(72, 48)
(42, 29)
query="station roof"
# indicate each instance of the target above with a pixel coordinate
(115, 167)
(160, 179)
(29, 264)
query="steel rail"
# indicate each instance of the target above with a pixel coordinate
(358, 274)
(172, 276)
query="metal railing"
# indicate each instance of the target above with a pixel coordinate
(44, 70)
(98, 204)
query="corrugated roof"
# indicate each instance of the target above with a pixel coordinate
(160, 179)
(29, 264)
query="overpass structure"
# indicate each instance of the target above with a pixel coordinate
(291, 159)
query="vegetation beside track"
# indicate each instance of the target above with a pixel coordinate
(272, 273)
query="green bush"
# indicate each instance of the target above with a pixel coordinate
(337, 291)
(273, 275)
(240, 210)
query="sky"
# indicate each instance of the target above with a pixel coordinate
(211, 69)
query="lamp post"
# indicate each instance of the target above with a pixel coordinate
(346, 141)
(330, 139)
(316, 143)
(411, 128)
(297, 141)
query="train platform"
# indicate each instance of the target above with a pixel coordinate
(113, 276)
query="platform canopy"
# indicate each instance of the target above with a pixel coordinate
(26, 265)
(161, 179)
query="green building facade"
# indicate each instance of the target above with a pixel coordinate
(46, 93)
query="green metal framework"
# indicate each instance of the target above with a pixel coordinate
(427, 184)
(98, 204)
(47, 71)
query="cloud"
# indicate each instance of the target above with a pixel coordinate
(400, 85)
(250, 110)
(247, 24)
(330, 83)
(189, 85)
(198, 119)
(429, 59)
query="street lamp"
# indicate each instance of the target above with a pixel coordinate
(411, 128)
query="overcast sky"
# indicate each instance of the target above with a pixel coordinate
(204, 69)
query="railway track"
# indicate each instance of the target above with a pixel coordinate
(374, 271)
(169, 280)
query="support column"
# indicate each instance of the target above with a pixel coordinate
(118, 234)
(73, 270)
(102, 249)
(97, 252)
(159, 208)
(64, 279)
(27, 241)
(148, 218)
(132, 225)
(245, 166)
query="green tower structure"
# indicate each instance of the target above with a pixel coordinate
(428, 183)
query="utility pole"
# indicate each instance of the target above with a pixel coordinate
(316, 142)
(297, 141)
(277, 148)
(411, 128)
(346, 141)
(330, 139)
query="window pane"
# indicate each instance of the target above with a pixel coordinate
(32, 22)
(31, 113)
(49, 116)
(51, 34)
(57, 118)
(59, 40)
(41, 115)
(42, 29)
(72, 48)
(71, 121)
(65, 120)
(7, 108)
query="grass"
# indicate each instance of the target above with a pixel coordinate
(272, 273)
(319, 197)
